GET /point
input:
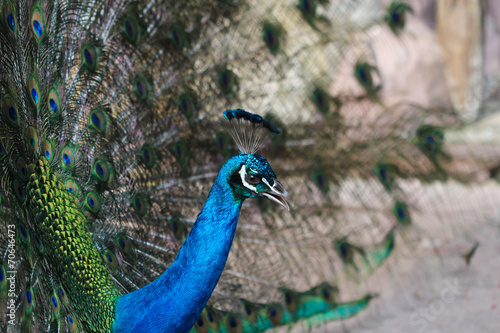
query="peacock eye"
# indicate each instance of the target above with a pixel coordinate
(252, 179)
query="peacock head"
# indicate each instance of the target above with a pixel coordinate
(253, 177)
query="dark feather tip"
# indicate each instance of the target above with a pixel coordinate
(253, 118)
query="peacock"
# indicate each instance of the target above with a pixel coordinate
(133, 131)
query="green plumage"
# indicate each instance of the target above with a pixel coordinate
(69, 249)
(110, 139)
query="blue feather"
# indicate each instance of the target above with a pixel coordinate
(187, 284)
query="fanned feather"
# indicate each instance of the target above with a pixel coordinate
(110, 137)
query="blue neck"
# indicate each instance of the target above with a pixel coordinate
(173, 302)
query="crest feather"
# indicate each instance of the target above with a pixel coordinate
(248, 129)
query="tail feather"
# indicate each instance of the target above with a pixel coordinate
(121, 100)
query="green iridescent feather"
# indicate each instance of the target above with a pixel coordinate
(110, 139)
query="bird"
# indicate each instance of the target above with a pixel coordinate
(122, 120)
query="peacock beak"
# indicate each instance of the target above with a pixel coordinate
(278, 193)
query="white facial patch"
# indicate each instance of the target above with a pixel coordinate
(267, 183)
(243, 173)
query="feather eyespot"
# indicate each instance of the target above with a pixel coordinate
(274, 314)
(131, 29)
(140, 204)
(34, 91)
(92, 202)
(28, 300)
(322, 101)
(148, 156)
(88, 216)
(96, 121)
(396, 16)
(31, 138)
(19, 191)
(249, 311)
(383, 174)
(90, 56)
(22, 168)
(10, 112)
(141, 88)
(327, 293)
(68, 157)
(128, 29)
(201, 325)
(290, 301)
(62, 295)
(322, 180)
(48, 150)
(271, 35)
(38, 243)
(111, 260)
(179, 150)
(73, 323)
(124, 244)
(308, 8)
(386, 175)
(178, 228)
(54, 302)
(227, 81)
(233, 324)
(345, 251)
(3, 152)
(102, 170)
(401, 213)
(222, 142)
(178, 36)
(187, 105)
(25, 236)
(363, 72)
(72, 187)
(2, 275)
(54, 103)
(38, 23)
(11, 19)
(212, 319)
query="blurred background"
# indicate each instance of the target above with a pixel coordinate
(449, 58)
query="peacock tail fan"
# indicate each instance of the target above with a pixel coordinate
(110, 139)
